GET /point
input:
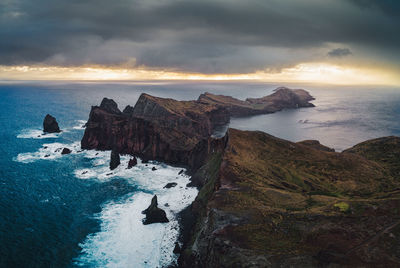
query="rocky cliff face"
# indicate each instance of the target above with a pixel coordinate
(281, 98)
(176, 132)
(284, 204)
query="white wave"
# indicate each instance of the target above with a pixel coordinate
(36, 134)
(80, 124)
(49, 151)
(123, 240)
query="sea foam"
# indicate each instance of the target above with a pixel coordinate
(49, 151)
(123, 240)
(37, 133)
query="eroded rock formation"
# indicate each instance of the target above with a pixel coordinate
(154, 214)
(50, 125)
(176, 132)
(132, 162)
(114, 159)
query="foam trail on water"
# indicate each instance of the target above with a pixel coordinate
(123, 240)
(49, 151)
(37, 133)
(80, 124)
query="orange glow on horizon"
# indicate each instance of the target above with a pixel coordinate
(305, 72)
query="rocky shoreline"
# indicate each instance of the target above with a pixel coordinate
(263, 201)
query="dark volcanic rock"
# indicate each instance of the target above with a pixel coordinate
(282, 98)
(170, 185)
(132, 162)
(154, 214)
(66, 151)
(177, 248)
(114, 159)
(50, 125)
(128, 110)
(110, 106)
(175, 132)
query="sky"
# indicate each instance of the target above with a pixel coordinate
(337, 41)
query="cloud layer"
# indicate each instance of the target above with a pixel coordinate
(218, 36)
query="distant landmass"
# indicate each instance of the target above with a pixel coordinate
(263, 201)
(282, 98)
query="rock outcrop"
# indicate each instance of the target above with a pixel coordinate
(176, 132)
(263, 201)
(114, 159)
(282, 98)
(50, 125)
(66, 151)
(170, 185)
(316, 145)
(132, 162)
(154, 214)
(284, 204)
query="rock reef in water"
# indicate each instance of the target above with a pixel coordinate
(66, 151)
(282, 98)
(50, 125)
(132, 162)
(154, 214)
(114, 159)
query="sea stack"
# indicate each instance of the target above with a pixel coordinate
(114, 159)
(132, 162)
(153, 213)
(50, 124)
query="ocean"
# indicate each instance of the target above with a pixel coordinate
(72, 211)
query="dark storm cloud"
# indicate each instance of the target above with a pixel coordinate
(206, 36)
(339, 52)
(391, 7)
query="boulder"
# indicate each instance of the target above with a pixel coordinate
(177, 248)
(114, 159)
(170, 185)
(50, 124)
(132, 162)
(154, 214)
(66, 151)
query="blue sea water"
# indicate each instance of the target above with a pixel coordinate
(66, 211)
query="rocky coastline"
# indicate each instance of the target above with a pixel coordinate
(263, 201)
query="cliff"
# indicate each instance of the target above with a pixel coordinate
(176, 132)
(264, 201)
(284, 204)
(281, 98)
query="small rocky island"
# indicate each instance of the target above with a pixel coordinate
(50, 125)
(263, 201)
